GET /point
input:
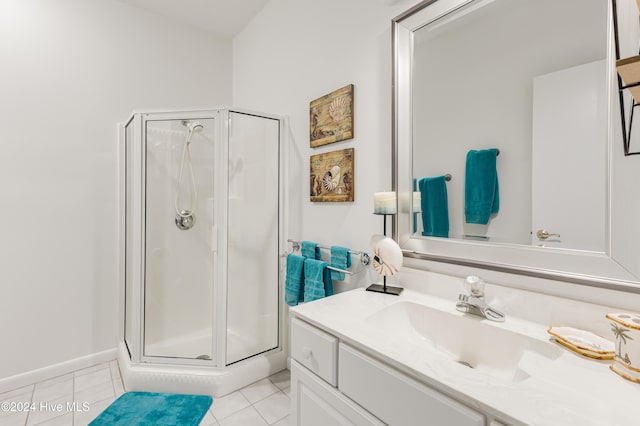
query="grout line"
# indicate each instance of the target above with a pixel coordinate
(73, 398)
(33, 392)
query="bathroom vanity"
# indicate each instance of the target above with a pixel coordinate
(369, 359)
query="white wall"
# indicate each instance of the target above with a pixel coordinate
(296, 51)
(71, 70)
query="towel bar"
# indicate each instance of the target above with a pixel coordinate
(364, 257)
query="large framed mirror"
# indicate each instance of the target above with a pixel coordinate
(512, 101)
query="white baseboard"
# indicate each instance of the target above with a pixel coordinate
(45, 373)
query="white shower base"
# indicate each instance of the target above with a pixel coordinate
(196, 379)
(193, 345)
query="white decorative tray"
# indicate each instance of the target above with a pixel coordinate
(583, 342)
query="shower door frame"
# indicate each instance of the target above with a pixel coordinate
(220, 212)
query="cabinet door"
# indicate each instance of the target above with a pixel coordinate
(314, 403)
(395, 398)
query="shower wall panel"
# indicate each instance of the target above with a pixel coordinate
(252, 292)
(179, 273)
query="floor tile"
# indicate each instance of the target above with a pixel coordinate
(208, 420)
(65, 420)
(88, 380)
(115, 370)
(95, 393)
(20, 391)
(54, 381)
(274, 407)
(91, 369)
(18, 403)
(283, 422)
(83, 418)
(48, 410)
(245, 417)
(281, 379)
(259, 390)
(287, 391)
(48, 391)
(118, 387)
(229, 404)
(14, 419)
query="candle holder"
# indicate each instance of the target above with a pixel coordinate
(384, 288)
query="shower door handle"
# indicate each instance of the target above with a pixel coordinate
(214, 238)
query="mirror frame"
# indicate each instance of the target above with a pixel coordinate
(595, 269)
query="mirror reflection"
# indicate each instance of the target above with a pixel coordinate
(509, 98)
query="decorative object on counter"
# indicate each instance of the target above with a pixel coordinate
(384, 203)
(481, 194)
(626, 330)
(583, 342)
(331, 117)
(387, 258)
(434, 206)
(332, 176)
(385, 249)
(341, 259)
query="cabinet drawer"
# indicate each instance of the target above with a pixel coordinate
(397, 399)
(315, 349)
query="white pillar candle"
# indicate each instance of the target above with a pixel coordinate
(384, 203)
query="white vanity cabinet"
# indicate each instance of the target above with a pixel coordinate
(364, 391)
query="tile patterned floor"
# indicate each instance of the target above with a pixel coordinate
(76, 398)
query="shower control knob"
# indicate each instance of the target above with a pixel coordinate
(185, 220)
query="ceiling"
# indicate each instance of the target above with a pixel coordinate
(224, 18)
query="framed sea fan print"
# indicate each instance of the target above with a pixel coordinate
(331, 177)
(331, 117)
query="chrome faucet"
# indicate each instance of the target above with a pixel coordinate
(474, 303)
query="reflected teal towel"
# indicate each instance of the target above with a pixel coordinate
(481, 197)
(294, 285)
(435, 206)
(340, 258)
(153, 409)
(310, 250)
(317, 280)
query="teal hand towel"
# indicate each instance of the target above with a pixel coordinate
(435, 206)
(340, 258)
(481, 196)
(294, 285)
(317, 280)
(310, 250)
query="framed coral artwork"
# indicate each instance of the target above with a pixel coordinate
(331, 117)
(331, 177)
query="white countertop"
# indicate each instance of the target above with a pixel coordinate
(569, 390)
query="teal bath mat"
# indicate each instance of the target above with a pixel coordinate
(150, 408)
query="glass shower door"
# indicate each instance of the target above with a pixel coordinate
(252, 245)
(179, 263)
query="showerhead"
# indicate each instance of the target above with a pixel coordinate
(193, 126)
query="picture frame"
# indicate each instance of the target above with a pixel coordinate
(331, 117)
(331, 176)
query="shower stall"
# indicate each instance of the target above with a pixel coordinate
(202, 234)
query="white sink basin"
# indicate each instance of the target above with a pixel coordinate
(465, 339)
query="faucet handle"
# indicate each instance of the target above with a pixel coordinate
(474, 285)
